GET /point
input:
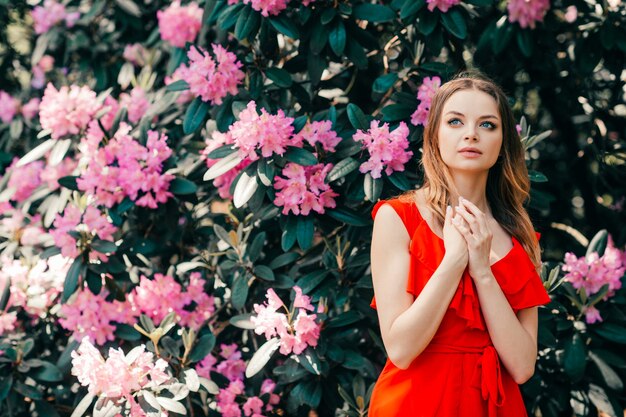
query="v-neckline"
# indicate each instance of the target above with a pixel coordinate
(441, 241)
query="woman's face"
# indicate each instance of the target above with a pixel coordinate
(470, 119)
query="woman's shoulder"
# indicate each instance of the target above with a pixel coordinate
(405, 208)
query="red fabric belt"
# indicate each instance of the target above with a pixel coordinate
(487, 374)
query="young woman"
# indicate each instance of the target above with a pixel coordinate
(455, 267)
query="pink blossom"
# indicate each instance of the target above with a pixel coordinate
(161, 295)
(51, 173)
(265, 132)
(67, 110)
(425, 94)
(136, 54)
(232, 366)
(224, 181)
(111, 106)
(253, 405)
(212, 78)
(92, 316)
(387, 150)
(592, 315)
(8, 321)
(442, 5)
(571, 14)
(527, 13)
(180, 24)
(303, 189)
(51, 14)
(92, 223)
(206, 365)
(268, 7)
(295, 335)
(125, 168)
(31, 108)
(184, 96)
(8, 107)
(136, 103)
(39, 70)
(25, 179)
(319, 132)
(301, 300)
(35, 287)
(119, 376)
(593, 272)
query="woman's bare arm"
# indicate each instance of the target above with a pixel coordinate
(407, 325)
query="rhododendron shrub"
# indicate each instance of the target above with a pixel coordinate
(186, 191)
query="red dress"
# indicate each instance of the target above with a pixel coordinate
(459, 373)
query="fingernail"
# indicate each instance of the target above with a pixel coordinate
(448, 208)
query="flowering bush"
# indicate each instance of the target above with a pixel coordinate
(186, 187)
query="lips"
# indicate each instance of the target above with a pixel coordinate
(470, 149)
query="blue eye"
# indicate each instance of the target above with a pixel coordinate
(451, 121)
(489, 125)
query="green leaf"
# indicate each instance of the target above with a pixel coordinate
(481, 3)
(536, 176)
(229, 16)
(357, 117)
(71, 279)
(310, 361)
(454, 22)
(328, 15)
(103, 246)
(427, 22)
(239, 291)
(264, 272)
(248, 24)
(343, 168)
(127, 332)
(502, 37)
(356, 53)
(288, 237)
(285, 25)
(27, 390)
(316, 64)
(5, 386)
(348, 216)
(129, 7)
(242, 321)
(202, 348)
(179, 85)
(399, 180)
(4, 299)
(344, 319)
(284, 259)
(395, 112)
(611, 378)
(262, 356)
(221, 152)
(612, 332)
(319, 37)
(47, 372)
(372, 187)
(304, 232)
(337, 38)
(525, 42)
(279, 76)
(311, 280)
(575, 358)
(254, 249)
(68, 182)
(373, 12)
(598, 243)
(300, 156)
(384, 82)
(182, 186)
(411, 7)
(194, 117)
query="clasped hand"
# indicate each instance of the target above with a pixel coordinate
(471, 223)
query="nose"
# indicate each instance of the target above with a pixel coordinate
(470, 133)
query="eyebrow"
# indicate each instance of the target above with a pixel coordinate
(485, 116)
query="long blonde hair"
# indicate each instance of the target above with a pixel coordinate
(508, 185)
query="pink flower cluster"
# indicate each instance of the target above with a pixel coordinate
(210, 78)
(51, 173)
(136, 54)
(318, 132)
(22, 228)
(67, 110)
(593, 272)
(224, 181)
(125, 168)
(92, 316)
(25, 179)
(233, 367)
(527, 13)
(119, 376)
(442, 5)
(34, 288)
(295, 332)
(44, 65)
(136, 103)
(8, 321)
(388, 150)
(8, 107)
(51, 14)
(91, 223)
(425, 94)
(269, 7)
(265, 132)
(180, 24)
(303, 189)
(184, 96)
(161, 295)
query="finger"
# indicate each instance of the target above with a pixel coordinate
(479, 216)
(469, 218)
(461, 227)
(448, 214)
